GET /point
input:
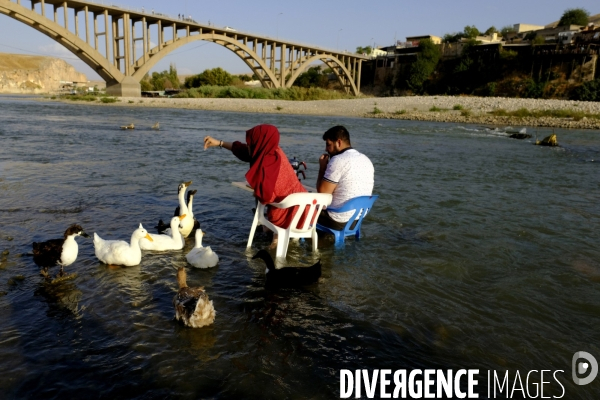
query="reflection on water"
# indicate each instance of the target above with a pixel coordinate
(481, 252)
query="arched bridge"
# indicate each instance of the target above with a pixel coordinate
(122, 45)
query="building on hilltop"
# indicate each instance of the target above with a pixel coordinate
(416, 39)
(520, 28)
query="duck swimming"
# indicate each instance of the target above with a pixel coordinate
(202, 257)
(119, 252)
(172, 241)
(61, 252)
(192, 305)
(288, 276)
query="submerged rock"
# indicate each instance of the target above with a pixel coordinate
(548, 141)
(520, 136)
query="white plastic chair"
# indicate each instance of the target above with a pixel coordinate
(315, 202)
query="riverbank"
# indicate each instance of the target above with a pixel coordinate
(457, 109)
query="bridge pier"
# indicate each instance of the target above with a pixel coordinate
(128, 87)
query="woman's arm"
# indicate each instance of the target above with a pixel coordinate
(239, 149)
(212, 142)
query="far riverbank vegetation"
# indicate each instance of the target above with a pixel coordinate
(314, 84)
(495, 63)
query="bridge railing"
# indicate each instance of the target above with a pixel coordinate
(208, 25)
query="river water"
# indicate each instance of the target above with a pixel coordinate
(481, 253)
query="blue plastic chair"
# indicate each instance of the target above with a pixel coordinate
(361, 206)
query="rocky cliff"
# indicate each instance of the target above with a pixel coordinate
(35, 74)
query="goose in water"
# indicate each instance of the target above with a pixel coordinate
(172, 241)
(192, 305)
(119, 252)
(202, 257)
(156, 126)
(188, 224)
(288, 276)
(61, 252)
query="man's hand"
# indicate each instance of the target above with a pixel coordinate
(323, 161)
(322, 185)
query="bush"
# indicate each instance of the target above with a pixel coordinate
(491, 88)
(533, 89)
(457, 107)
(108, 99)
(312, 78)
(589, 91)
(161, 80)
(85, 97)
(293, 93)
(210, 77)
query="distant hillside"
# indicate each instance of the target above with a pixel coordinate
(35, 74)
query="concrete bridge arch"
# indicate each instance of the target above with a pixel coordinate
(277, 63)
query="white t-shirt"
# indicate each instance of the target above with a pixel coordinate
(353, 173)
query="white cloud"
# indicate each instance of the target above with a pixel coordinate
(55, 49)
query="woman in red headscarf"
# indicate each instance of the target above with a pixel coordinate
(270, 175)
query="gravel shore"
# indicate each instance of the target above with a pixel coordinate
(407, 108)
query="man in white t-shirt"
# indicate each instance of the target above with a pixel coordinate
(343, 172)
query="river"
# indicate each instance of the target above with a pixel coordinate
(480, 253)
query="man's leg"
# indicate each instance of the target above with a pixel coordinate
(327, 221)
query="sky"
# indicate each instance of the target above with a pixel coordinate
(336, 24)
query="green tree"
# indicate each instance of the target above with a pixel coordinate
(423, 67)
(491, 30)
(537, 40)
(214, 77)
(471, 32)
(453, 37)
(364, 50)
(313, 77)
(161, 80)
(507, 30)
(574, 16)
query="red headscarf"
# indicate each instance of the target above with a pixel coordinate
(263, 140)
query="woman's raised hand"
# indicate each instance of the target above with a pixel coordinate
(210, 142)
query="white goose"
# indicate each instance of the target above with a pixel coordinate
(187, 223)
(184, 209)
(119, 252)
(202, 257)
(172, 241)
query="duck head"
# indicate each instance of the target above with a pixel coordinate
(183, 185)
(141, 233)
(76, 230)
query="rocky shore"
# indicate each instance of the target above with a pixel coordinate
(473, 110)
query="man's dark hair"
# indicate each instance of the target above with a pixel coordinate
(337, 132)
